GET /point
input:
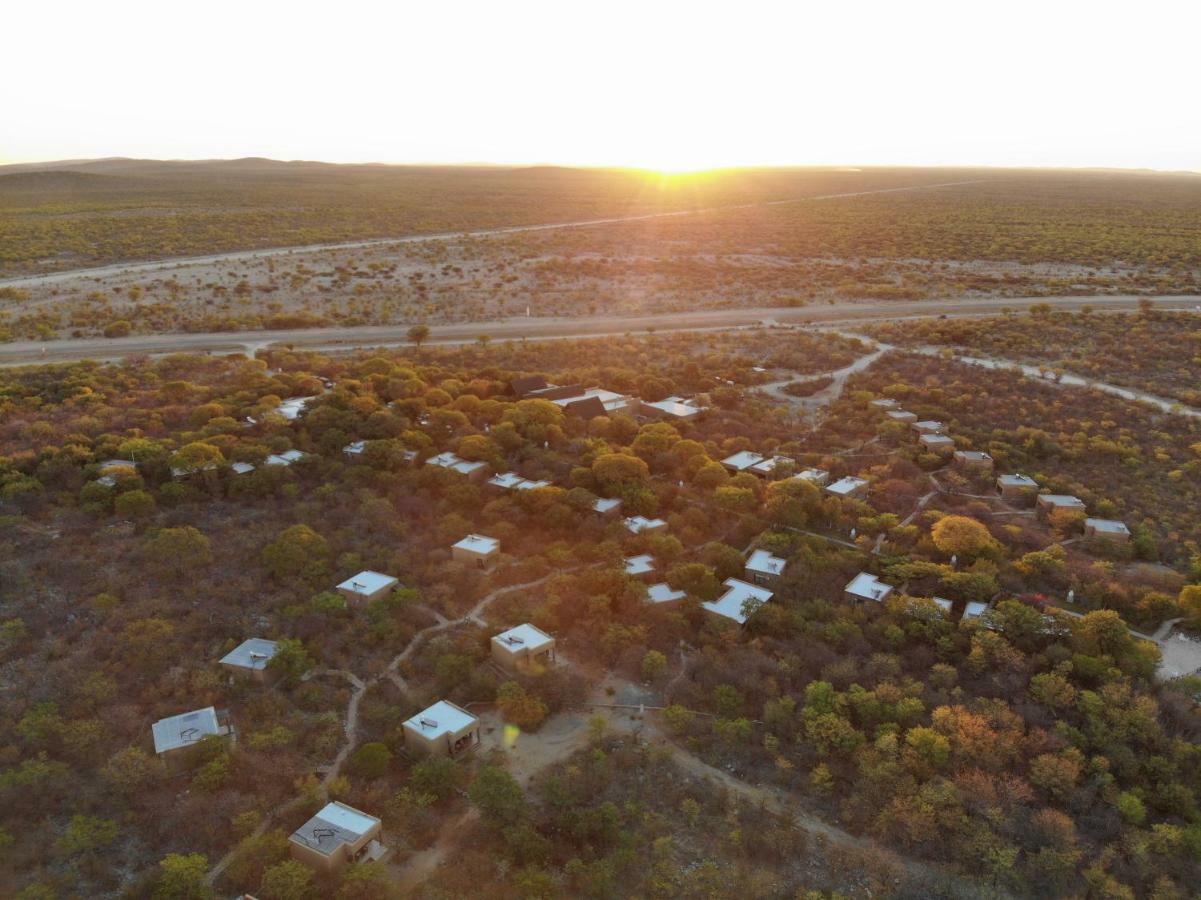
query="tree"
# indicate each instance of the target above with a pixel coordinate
(694, 578)
(131, 769)
(179, 550)
(519, 707)
(291, 659)
(498, 797)
(299, 553)
(615, 472)
(182, 878)
(962, 536)
(135, 505)
(438, 776)
(653, 665)
(418, 335)
(197, 456)
(86, 834)
(367, 880)
(371, 760)
(288, 880)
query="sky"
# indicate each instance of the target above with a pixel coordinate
(656, 84)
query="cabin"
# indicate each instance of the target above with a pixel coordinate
(941, 444)
(606, 506)
(524, 648)
(1109, 529)
(1048, 503)
(591, 402)
(866, 586)
(643, 525)
(816, 477)
(284, 459)
(884, 403)
(974, 461)
(443, 729)
(927, 426)
(742, 461)
(473, 470)
(739, 601)
(361, 589)
(335, 837)
(476, 551)
(901, 415)
(773, 466)
(674, 409)
(640, 566)
(292, 408)
(354, 450)
(1017, 488)
(763, 568)
(250, 658)
(658, 594)
(241, 468)
(848, 487)
(973, 611)
(506, 481)
(176, 737)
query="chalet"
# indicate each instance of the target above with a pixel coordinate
(475, 470)
(900, 415)
(250, 658)
(817, 477)
(742, 461)
(525, 485)
(663, 593)
(606, 506)
(848, 487)
(865, 586)
(640, 566)
(523, 648)
(937, 443)
(973, 461)
(335, 837)
(592, 402)
(284, 459)
(974, 610)
(1109, 529)
(1048, 503)
(476, 551)
(771, 466)
(506, 481)
(643, 525)
(176, 737)
(676, 408)
(241, 468)
(354, 450)
(763, 568)
(442, 730)
(1016, 487)
(739, 601)
(529, 384)
(292, 408)
(927, 426)
(365, 587)
(884, 403)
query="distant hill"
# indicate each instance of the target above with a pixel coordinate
(63, 181)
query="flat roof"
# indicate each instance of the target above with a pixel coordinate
(523, 637)
(817, 476)
(610, 399)
(743, 459)
(730, 604)
(466, 467)
(368, 582)
(639, 524)
(604, 504)
(901, 414)
(846, 485)
(525, 485)
(928, 425)
(284, 459)
(441, 719)
(974, 610)
(354, 448)
(505, 480)
(241, 468)
(1061, 500)
(884, 402)
(640, 565)
(293, 407)
(185, 729)
(1109, 526)
(1017, 480)
(764, 562)
(869, 587)
(443, 460)
(973, 454)
(675, 406)
(769, 465)
(336, 824)
(477, 543)
(662, 593)
(252, 653)
(936, 439)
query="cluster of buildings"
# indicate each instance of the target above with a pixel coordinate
(587, 403)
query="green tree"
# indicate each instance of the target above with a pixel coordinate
(418, 335)
(653, 665)
(437, 776)
(961, 536)
(179, 551)
(298, 554)
(288, 880)
(371, 760)
(135, 505)
(498, 797)
(182, 878)
(291, 660)
(86, 834)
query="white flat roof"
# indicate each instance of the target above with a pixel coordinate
(466, 467)
(284, 459)
(943, 604)
(1108, 526)
(928, 425)
(974, 610)
(869, 587)
(1061, 500)
(769, 465)
(252, 653)
(901, 414)
(744, 459)
(367, 583)
(763, 562)
(241, 468)
(185, 729)
(640, 565)
(336, 824)
(973, 454)
(443, 460)
(817, 476)
(674, 406)
(524, 485)
(523, 637)
(293, 407)
(846, 485)
(639, 524)
(354, 448)
(730, 604)
(604, 504)
(505, 480)
(609, 399)
(1017, 480)
(884, 403)
(477, 543)
(936, 439)
(441, 719)
(662, 593)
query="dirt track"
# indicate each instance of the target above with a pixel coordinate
(332, 339)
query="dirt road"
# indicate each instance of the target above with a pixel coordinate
(536, 329)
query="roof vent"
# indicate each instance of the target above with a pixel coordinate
(427, 723)
(511, 639)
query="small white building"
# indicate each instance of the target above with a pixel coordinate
(973, 461)
(443, 729)
(292, 408)
(361, 589)
(884, 403)
(643, 525)
(763, 568)
(506, 481)
(284, 459)
(767, 468)
(443, 460)
(606, 506)
(1016, 487)
(663, 593)
(337, 836)
(250, 658)
(674, 408)
(354, 450)
(640, 566)
(866, 586)
(900, 415)
(476, 550)
(739, 599)
(817, 477)
(941, 444)
(525, 485)
(741, 461)
(241, 468)
(523, 648)
(974, 610)
(848, 487)
(1048, 503)
(1110, 529)
(176, 736)
(927, 426)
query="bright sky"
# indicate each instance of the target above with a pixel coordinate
(654, 83)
